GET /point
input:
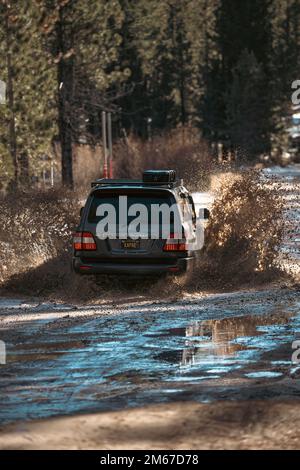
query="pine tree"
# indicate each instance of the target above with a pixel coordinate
(244, 36)
(168, 44)
(27, 120)
(246, 121)
(83, 39)
(7, 31)
(132, 104)
(285, 16)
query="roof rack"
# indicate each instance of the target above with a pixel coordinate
(134, 183)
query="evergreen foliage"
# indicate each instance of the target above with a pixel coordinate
(222, 66)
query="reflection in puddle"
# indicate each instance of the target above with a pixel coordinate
(224, 338)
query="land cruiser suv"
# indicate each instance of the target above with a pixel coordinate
(99, 249)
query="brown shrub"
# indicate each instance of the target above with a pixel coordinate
(35, 227)
(181, 150)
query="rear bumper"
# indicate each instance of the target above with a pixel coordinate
(179, 265)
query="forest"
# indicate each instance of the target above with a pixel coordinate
(224, 68)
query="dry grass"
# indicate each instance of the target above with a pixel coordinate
(183, 152)
(35, 229)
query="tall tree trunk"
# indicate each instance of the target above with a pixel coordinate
(65, 72)
(23, 164)
(182, 94)
(178, 39)
(11, 104)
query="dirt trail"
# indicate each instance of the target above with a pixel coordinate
(223, 425)
(66, 360)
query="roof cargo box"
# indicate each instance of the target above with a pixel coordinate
(159, 176)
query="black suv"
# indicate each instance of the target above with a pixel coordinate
(119, 252)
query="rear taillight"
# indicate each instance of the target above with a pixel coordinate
(175, 244)
(84, 241)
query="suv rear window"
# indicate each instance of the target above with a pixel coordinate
(142, 197)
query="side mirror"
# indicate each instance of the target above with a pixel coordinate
(206, 214)
(81, 211)
(191, 202)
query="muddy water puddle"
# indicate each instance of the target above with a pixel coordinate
(198, 350)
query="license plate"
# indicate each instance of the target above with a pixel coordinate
(130, 244)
